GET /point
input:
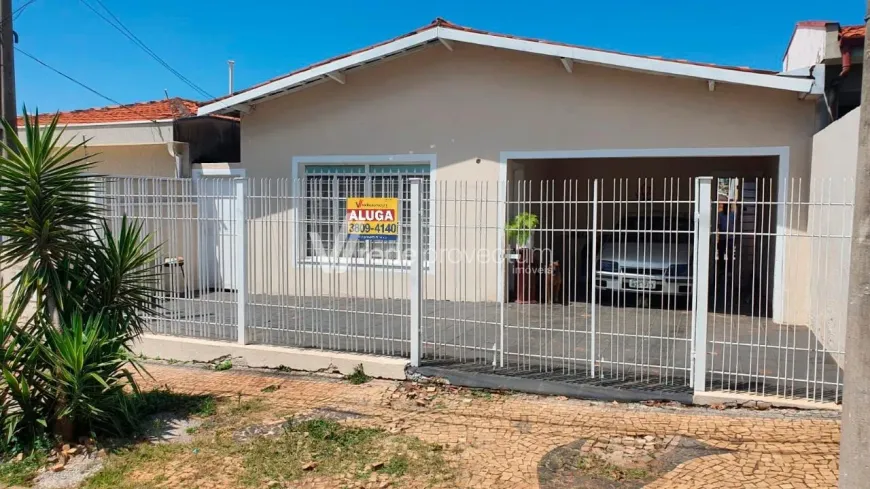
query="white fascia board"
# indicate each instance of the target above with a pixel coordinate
(104, 124)
(631, 62)
(322, 70)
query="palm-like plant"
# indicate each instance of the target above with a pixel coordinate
(20, 401)
(88, 372)
(45, 209)
(66, 367)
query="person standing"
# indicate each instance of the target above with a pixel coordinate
(727, 229)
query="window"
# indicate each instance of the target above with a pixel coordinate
(327, 188)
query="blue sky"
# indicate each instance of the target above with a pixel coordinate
(267, 38)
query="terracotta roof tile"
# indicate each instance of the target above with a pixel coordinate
(852, 32)
(174, 108)
(814, 23)
(439, 22)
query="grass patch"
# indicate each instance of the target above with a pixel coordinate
(481, 394)
(242, 407)
(596, 466)
(270, 388)
(338, 449)
(310, 448)
(115, 474)
(397, 465)
(224, 365)
(21, 473)
(358, 376)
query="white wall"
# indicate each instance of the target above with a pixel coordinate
(834, 162)
(807, 48)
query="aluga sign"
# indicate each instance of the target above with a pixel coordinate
(372, 219)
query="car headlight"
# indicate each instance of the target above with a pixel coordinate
(683, 270)
(608, 266)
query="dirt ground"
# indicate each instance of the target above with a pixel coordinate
(511, 440)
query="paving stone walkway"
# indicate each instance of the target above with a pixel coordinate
(505, 441)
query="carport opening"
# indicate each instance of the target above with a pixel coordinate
(645, 219)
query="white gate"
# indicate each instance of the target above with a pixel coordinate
(218, 230)
(644, 283)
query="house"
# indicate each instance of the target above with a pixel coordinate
(834, 54)
(161, 138)
(450, 103)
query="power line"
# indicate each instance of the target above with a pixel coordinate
(92, 90)
(20, 10)
(120, 27)
(17, 12)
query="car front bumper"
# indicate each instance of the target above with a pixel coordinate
(643, 284)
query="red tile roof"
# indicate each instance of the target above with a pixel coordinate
(174, 108)
(852, 32)
(439, 22)
(814, 23)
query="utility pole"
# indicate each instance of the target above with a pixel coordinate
(855, 439)
(7, 68)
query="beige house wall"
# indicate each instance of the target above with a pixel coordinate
(469, 105)
(119, 133)
(151, 160)
(834, 161)
(138, 160)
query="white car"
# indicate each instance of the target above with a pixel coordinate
(647, 254)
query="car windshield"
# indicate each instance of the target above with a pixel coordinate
(652, 229)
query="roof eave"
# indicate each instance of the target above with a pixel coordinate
(241, 101)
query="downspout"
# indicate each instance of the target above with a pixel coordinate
(182, 158)
(846, 54)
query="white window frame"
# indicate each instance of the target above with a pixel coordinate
(298, 164)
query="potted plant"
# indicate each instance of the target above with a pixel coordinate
(519, 235)
(519, 231)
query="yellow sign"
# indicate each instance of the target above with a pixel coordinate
(373, 219)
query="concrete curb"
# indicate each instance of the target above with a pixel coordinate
(198, 350)
(549, 387)
(755, 401)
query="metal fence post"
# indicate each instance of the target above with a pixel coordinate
(700, 281)
(594, 287)
(416, 276)
(241, 257)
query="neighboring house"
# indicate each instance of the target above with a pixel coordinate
(834, 54)
(161, 138)
(450, 103)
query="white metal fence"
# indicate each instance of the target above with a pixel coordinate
(677, 283)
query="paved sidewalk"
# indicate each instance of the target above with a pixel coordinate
(509, 441)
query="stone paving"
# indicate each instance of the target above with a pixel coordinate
(500, 440)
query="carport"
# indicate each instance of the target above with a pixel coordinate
(560, 188)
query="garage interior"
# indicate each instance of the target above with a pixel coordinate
(560, 191)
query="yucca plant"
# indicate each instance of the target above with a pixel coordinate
(22, 409)
(46, 209)
(116, 277)
(66, 368)
(86, 373)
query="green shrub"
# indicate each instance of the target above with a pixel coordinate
(65, 368)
